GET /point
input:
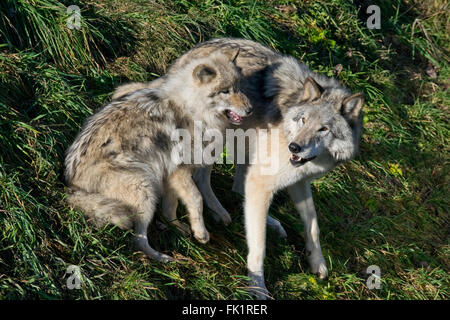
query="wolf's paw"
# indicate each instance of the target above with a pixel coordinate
(226, 218)
(276, 226)
(257, 287)
(221, 215)
(202, 236)
(322, 271)
(182, 227)
(164, 258)
(318, 266)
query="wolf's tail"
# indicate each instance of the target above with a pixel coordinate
(101, 210)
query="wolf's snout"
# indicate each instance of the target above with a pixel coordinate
(294, 148)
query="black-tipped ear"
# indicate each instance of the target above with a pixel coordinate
(204, 73)
(236, 55)
(311, 90)
(352, 107)
(232, 54)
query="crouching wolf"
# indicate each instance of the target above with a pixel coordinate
(121, 161)
(313, 123)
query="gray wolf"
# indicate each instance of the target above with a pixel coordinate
(317, 123)
(320, 129)
(121, 161)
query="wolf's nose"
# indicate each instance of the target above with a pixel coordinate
(294, 148)
(249, 111)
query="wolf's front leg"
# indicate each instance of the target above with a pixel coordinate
(169, 208)
(239, 179)
(239, 187)
(301, 194)
(257, 202)
(181, 181)
(202, 178)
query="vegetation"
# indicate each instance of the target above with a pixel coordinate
(389, 207)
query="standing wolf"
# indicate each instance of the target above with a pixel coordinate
(320, 128)
(121, 161)
(316, 124)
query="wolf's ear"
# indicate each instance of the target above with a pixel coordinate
(232, 54)
(352, 107)
(311, 90)
(204, 73)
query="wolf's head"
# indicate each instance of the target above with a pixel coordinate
(211, 86)
(319, 114)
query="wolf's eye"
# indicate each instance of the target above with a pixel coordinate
(224, 91)
(323, 129)
(303, 120)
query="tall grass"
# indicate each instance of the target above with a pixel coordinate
(42, 26)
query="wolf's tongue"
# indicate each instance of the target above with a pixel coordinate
(234, 116)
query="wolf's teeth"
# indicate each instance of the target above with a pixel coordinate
(234, 116)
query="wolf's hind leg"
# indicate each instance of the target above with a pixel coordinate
(181, 181)
(303, 200)
(141, 192)
(141, 240)
(169, 207)
(202, 178)
(142, 221)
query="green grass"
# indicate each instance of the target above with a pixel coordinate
(388, 207)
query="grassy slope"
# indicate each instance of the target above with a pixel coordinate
(388, 207)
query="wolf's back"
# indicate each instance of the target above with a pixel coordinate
(252, 56)
(128, 88)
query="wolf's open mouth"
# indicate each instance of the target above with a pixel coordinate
(233, 117)
(297, 161)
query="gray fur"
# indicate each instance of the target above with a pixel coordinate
(120, 162)
(288, 96)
